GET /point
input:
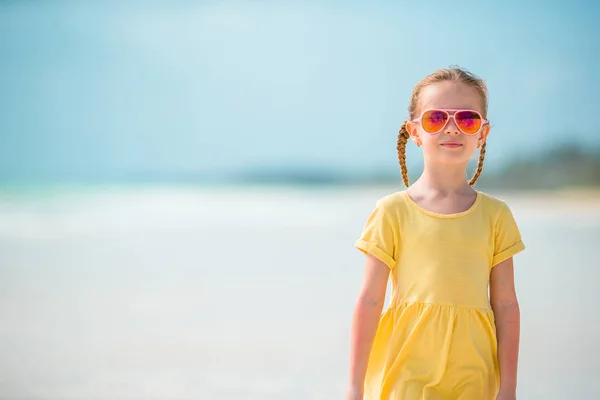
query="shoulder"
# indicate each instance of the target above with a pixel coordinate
(393, 203)
(494, 206)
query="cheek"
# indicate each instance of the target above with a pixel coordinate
(471, 145)
(472, 142)
(428, 140)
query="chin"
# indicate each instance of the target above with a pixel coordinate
(456, 158)
(440, 155)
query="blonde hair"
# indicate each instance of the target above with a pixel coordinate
(446, 74)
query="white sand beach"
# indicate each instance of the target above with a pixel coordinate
(231, 293)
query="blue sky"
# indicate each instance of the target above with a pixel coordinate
(109, 88)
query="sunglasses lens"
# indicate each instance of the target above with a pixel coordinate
(468, 121)
(434, 120)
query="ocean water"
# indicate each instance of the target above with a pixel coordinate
(230, 293)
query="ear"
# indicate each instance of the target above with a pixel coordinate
(413, 131)
(483, 135)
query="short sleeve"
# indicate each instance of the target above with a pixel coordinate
(378, 237)
(507, 240)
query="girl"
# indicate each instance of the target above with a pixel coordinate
(443, 244)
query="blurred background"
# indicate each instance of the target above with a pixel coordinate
(182, 183)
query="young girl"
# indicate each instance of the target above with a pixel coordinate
(443, 244)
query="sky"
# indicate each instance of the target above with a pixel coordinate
(107, 89)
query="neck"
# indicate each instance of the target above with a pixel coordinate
(444, 178)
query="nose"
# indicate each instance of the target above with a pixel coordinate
(451, 128)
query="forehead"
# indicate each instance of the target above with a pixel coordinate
(449, 94)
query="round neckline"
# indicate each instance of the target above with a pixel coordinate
(439, 215)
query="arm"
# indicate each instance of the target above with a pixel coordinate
(507, 315)
(367, 312)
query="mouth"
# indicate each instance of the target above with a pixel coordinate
(451, 145)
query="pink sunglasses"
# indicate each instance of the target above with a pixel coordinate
(435, 120)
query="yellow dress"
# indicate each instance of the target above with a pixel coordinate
(437, 338)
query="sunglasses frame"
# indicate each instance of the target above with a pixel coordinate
(451, 116)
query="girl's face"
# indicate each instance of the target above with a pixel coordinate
(451, 145)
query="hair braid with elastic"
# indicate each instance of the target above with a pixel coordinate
(401, 147)
(479, 165)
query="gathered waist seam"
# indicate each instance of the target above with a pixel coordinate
(395, 304)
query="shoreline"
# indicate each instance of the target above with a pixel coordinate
(25, 187)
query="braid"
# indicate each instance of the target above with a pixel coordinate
(401, 147)
(479, 165)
